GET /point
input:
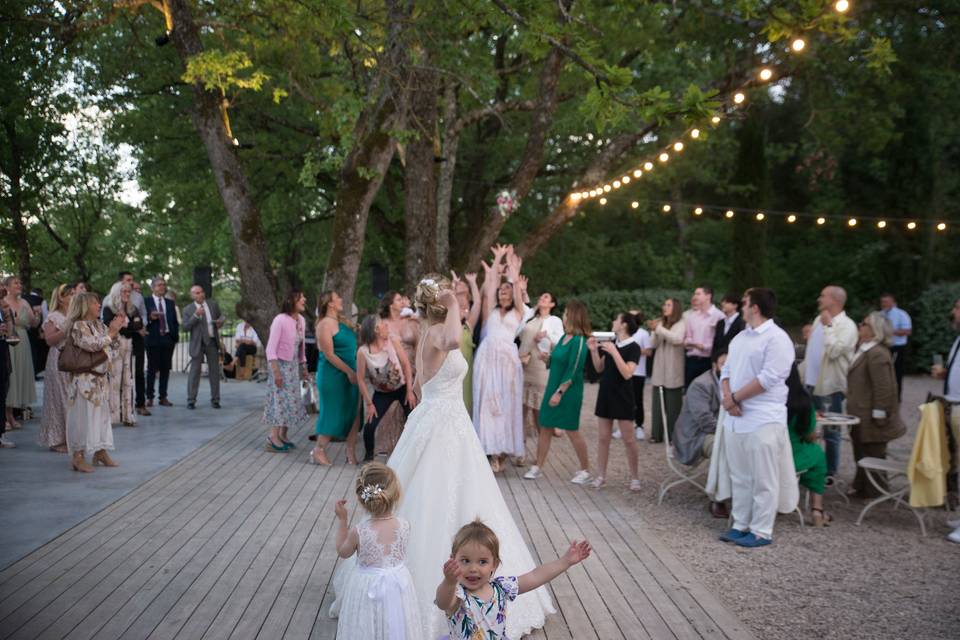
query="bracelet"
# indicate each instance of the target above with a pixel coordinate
(733, 396)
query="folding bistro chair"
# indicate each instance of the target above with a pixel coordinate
(684, 473)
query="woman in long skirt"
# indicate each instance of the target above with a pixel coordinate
(122, 409)
(22, 392)
(53, 420)
(287, 357)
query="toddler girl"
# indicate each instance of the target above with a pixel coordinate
(378, 599)
(475, 602)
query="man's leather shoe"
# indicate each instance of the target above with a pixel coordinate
(143, 411)
(719, 510)
(165, 403)
(191, 405)
(150, 402)
(216, 405)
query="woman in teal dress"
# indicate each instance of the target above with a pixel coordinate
(809, 458)
(563, 395)
(336, 379)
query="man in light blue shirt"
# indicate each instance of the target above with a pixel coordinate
(902, 328)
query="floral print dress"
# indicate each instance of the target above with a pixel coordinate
(478, 619)
(283, 407)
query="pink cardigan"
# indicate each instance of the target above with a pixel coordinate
(283, 337)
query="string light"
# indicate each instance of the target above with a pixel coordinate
(766, 74)
(666, 208)
(648, 166)
(841, 6)
(575, 197)
(698, 211)
(695, 133)
(729, 213)
(791, 218)
(678, 146)
(821, 220)
(852, 222)
(593, 193)
(715, 119)
(739, 97)
(625, 179)
(616, 184)
(603, 201)
(663, 157)
(635, 204)
(882, 224)
(606, 188)
(760, 216)
(798, 45)
(911, 225)
(942, 226)
(584, 194)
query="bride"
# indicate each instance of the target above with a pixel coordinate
(444, 474)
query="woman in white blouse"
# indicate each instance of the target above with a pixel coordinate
(538, 337)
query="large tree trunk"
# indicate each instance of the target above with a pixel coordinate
(420, 180)
(448, 164)
(258, 302)
(14, 210)
(368, 160)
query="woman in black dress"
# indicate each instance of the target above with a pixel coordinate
(615, 361)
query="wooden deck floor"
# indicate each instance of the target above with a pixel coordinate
(234, 542)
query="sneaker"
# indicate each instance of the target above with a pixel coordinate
(954, 536)
(732, 535)
(6, 444)
(616, 434)
(635, 485)
(598, 482)
(581, 477)
(751, 541)
(533, 473)
(638, 433)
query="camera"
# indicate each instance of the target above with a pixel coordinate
(603, 336)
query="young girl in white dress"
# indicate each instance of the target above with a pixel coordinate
(378, 600)
(475, 602)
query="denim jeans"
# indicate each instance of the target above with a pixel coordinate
(832, 436)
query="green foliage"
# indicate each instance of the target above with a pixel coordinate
(218, 70)
(605, 304)
(933, 331)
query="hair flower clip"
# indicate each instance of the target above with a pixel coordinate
(428, 282)
(369, 491)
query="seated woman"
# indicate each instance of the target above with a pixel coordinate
(809, 457)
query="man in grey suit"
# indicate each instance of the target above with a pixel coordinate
(202, 318)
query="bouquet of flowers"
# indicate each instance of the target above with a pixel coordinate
(507, 202)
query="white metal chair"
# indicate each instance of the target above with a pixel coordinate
(894, 469)
(684, 473)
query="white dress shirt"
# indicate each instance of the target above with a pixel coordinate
(160, 303)
(643, 340)
(206, 315)
(766, 354)
(245, 331)
(953, 374)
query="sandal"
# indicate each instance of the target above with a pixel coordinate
(823, 519)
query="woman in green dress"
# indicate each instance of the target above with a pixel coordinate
(563, 395)
(809, 458)
(336, 379)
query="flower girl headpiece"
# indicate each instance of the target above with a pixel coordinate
(369, 491)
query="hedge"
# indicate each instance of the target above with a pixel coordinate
(933, 330)
(603, 305)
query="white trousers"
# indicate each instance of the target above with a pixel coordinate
(755, 460)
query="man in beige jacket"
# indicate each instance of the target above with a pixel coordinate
(830, 349)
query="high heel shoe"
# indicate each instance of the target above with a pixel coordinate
(319, 456)
(79, 464)
(101, 457)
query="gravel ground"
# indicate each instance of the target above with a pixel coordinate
(879, 580)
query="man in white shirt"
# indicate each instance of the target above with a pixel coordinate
(951, 389)
(753, 382)
(245, 341)
(902, 328)
(829, 352)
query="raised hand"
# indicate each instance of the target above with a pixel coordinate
(340, 509)
(447, 298)
(454, 278)
(578, 552)
(471, 277)
(451, 570)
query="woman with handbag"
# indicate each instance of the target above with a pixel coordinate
(85, 357)
(287, 358)
(121, 368)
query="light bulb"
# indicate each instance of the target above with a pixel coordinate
(616, 184)
(637, 173)
(882, 224)
(593, 193)
(715, 119)
(603, 201)
(942, 226)
(695, 134)
(678, 146)
(791, 218)
(698, 211)
(729, 213)
(663, 157)
(575, 197)
(765, 74)
(911, 225)
(821, 220)
(798, 44)
(584, 194)
(841, 6)
(760, 216)
(666, 208)
(625, 179)
(606, 188)
(852, 222)
(635, 204)
(648, 166)
(739, 97)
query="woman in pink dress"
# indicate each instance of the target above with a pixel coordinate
(497, 372)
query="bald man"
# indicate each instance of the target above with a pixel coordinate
(829, 352)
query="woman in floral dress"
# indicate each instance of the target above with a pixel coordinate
(53, 421)
(288, 363)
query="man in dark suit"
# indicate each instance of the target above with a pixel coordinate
(162, 334)
(202, 318)
(5, 366)
(729, 327)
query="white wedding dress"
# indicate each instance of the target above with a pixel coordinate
(446, 483)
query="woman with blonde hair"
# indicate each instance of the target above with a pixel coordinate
(53, 421)
(88, 390)
(121, 368)
(336, 379)
(23, 390)
(872, 397)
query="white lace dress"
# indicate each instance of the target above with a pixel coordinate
(377, 599)
(498, 387)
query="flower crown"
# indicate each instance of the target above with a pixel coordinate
(369, 491)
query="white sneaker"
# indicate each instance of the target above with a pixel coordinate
(954, 524)
(598, 483)
(533, 473)
(635, 485)
(616, 434)
(638, 433)
(954, 536)
(581, 477)
(6, 444)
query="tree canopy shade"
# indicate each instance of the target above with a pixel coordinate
(295, 143)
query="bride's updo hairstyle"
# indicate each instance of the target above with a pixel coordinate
(378, 489)
(427, 297)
